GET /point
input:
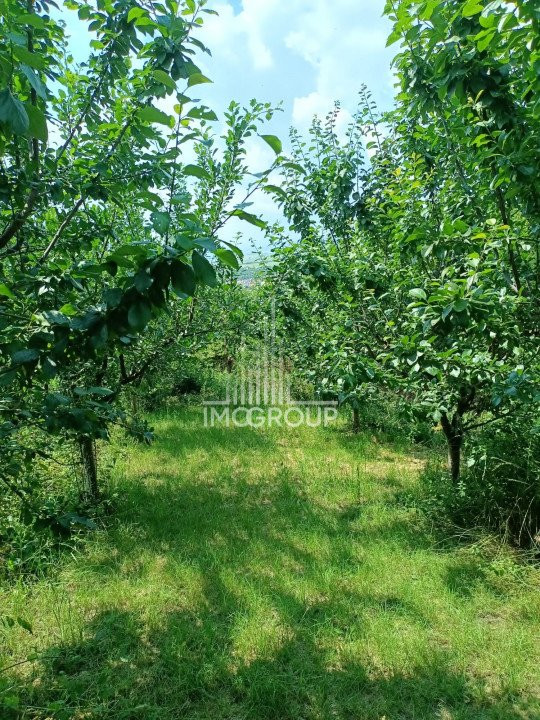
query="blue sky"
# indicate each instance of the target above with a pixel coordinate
(305, 53)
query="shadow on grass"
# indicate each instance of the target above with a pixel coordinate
(185, 664)
(187, 669)
(180, 433)
(464, 576)
(189, 423)
(369, 443)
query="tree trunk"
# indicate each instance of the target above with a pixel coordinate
(87, 449)
(454, 439)
(356, 421)
(454, 456)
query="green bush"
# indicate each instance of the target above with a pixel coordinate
(387, 412)
(44, 510)
(499, 487)
(180, 377)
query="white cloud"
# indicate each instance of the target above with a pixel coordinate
(228, 35)
(315, 104)
(308, 53)
(345, 45)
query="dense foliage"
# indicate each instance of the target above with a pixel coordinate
(407, 278)
(417, 267)
(103, 223)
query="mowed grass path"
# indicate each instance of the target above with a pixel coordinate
(279, 575)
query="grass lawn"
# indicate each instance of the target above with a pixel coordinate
(274, 574)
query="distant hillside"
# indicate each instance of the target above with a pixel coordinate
(250, 271)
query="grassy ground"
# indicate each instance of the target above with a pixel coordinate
(274, 575)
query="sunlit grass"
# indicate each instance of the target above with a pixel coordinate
(275, 574)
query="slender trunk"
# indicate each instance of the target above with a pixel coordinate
(356, 421)
(454, 456)
(87, 449)
(454, 438)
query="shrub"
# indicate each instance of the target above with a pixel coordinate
(45, 510)
(385, 411)
(499, 488)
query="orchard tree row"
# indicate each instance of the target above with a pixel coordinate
(409, 263)
(103, 224)
(417, 263)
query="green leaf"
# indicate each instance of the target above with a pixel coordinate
(418, 293)
(485, 41)
(228, 258)
(13, 113)
(142, 281)
(184, 242)
(487, 21)
(37, 123)
(135, 13)
(196, 171)
(34, 81)
(6, 292)
(182, 278)
(198, 79)
(202, 113)
(293, 166)
(67, 521)
(23, 357)
(204, 271)
(393, 38)
(471, 8)
(275, 190)
(236, 250)
(49, 368)
(68, 309)
(460, 226)
(430, 7)
(151, 114)
(461, 305)
(7, 377)
(447, 310)
(206, 243)
(186, 68)
(442, 92)
(35, 60)
(160, 221)
(53, 317)
(249, 217)
(30, 19)
(162, 77)
(101, 391)
(139, 314)
(274, 142)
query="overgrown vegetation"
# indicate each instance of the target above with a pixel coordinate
(100, 227)
(243, 573)
(418, 269)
